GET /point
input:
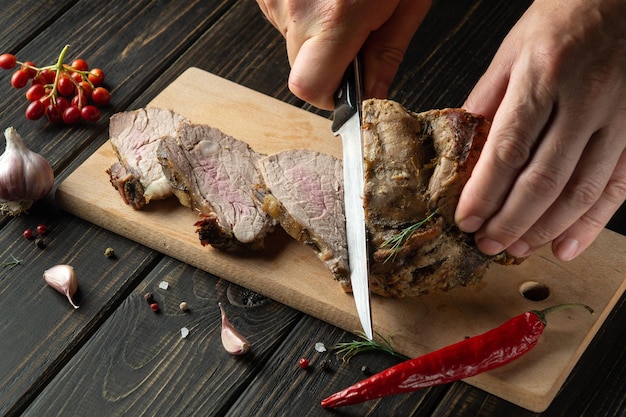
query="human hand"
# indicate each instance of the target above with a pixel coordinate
(324, 36)
(554, 165)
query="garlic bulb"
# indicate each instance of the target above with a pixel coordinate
(63, 279)
(233, 342)
(25, 176)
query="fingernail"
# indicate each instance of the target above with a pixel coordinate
(567, 249)
(470, 224)
(489, 247)
(519, 249)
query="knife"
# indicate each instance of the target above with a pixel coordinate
(347, 123)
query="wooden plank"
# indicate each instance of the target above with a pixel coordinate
(138, 363)
(290, 273)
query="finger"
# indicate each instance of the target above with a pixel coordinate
(386, 46)
(584, 231)
(275, 14)
(487, 94)
(583, 190)
(517, 125)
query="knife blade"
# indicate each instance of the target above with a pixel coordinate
(347, 124)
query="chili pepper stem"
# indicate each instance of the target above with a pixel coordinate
(543, 313)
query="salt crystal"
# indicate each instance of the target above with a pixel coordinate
(163, 285)
(320, 347)
(184, 332)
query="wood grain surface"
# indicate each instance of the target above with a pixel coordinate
(113, 357)
(290, 273)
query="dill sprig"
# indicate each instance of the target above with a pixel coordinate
(351, 349)
(11, 264)
(396, 242)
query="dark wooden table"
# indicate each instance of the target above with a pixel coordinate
(113, 356)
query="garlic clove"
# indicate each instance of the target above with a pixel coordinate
(25, 176)
(63, 279)
(232, 340)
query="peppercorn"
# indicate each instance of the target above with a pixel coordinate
(184, 306)
(154, 307)
(366, 370)
(303, 363)
(109, 252)
(149, 297)
(325, 365)
(39, 243)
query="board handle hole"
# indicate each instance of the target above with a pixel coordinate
(534, 291)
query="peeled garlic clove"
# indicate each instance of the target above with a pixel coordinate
(232, 340)
(25, 176)
(63, 279)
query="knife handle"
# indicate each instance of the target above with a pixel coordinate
(348, 97)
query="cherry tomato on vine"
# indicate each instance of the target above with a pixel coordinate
(35, 92)
(46, 76)
(71, 115)
(28, 67)
(54, 114)
(96, 76)
(35, 110)
(85, 87)
(101, 96)
(65, 87)
(19, 78)
(7, 61)
(62, 103)
(90, 113)
(80, 65)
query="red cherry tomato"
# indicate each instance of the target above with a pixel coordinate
(7, 61)
(35, 110)
(65, 87)
(35, 92)
(100, 96)
(71, 115)
(96, 76)
(80, 65)
(20, 78)
(90, 113)
(27, 66)
(53, 113)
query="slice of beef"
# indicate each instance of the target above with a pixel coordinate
(217, 176)
(416, 165)
(306, 198)
(135, 136)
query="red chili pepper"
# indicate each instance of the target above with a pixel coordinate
(461, 360)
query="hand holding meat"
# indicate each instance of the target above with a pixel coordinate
(323, 37)
(554, 166)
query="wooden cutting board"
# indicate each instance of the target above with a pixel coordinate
(291, 273)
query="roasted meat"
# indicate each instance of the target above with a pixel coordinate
(416, 165)
(135, 136)
(217, 176)
(306, 198)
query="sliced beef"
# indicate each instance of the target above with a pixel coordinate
(306, 198)
(135, 136)
(416, 165)
(216, 175)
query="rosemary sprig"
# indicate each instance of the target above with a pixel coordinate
(396, 242)
(351, 349)
(11, 264)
